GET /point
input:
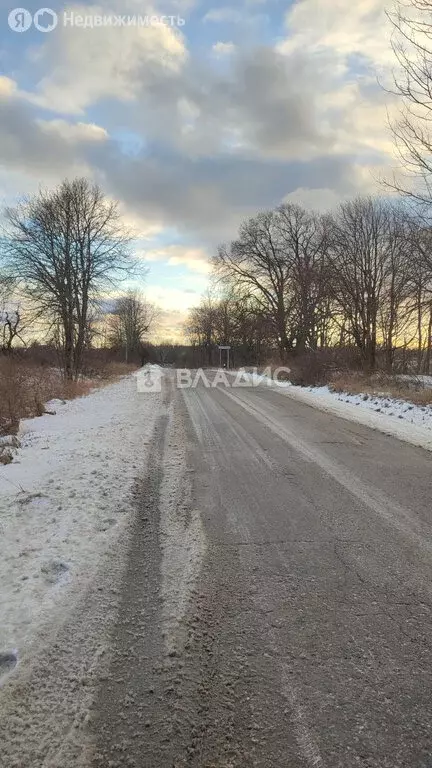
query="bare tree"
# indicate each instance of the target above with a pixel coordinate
(7, 287)
(130, 323)
(412, 46)
(232, 317)
(9, 329)
(67, 246)
(201, 327)
(280, 259)
(10, 314)
(394, 309)
(420, 297)
(368, 268)
(258, 263)
(305, 243)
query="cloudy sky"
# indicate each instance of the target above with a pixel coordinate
(194, 127)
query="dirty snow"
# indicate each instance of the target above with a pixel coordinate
(63, 502)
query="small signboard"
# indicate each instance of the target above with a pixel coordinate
(224, 348)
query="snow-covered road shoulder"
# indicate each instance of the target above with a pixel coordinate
(63, 501)
(397, 418)
(406, 421)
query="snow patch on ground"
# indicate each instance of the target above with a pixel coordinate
(64, 500)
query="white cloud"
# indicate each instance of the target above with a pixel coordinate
(169, 327)
(322, 200)
(167, 298)
(223, 49)
(8, 87)
(226, 15)
(350, 44)
(220, 140)
(73, 132)
(195, 259)
(49, 150)
(173, 307)
(344, 28)
(84, 66)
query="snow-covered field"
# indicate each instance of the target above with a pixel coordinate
(63, 501)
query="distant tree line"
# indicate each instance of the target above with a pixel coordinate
(359, 278)
(296, 281)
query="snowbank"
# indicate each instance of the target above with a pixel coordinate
(63, 501)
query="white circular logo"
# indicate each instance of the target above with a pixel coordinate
(20, 20)
(45, 20)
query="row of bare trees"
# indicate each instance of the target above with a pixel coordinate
(235, 318)
(361, 276)
(297, 281)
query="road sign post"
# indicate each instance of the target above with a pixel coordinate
(224, 348)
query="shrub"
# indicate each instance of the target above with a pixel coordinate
(26, 386)
(316, 368)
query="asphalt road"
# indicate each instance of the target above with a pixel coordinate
(276, 609)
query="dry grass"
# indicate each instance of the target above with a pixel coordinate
(112, 370)
(381, 385)
(25, 388)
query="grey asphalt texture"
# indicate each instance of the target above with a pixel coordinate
(301, 635)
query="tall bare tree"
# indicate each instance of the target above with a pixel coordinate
(280, 259)
(234, 318)
(130, 323)
(394, 309)
(258, 263)
(420, 295)
(366, 255)
(412, 46)
(67, 246)
(304, 240)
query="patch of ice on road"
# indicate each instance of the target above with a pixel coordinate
(64, 500)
